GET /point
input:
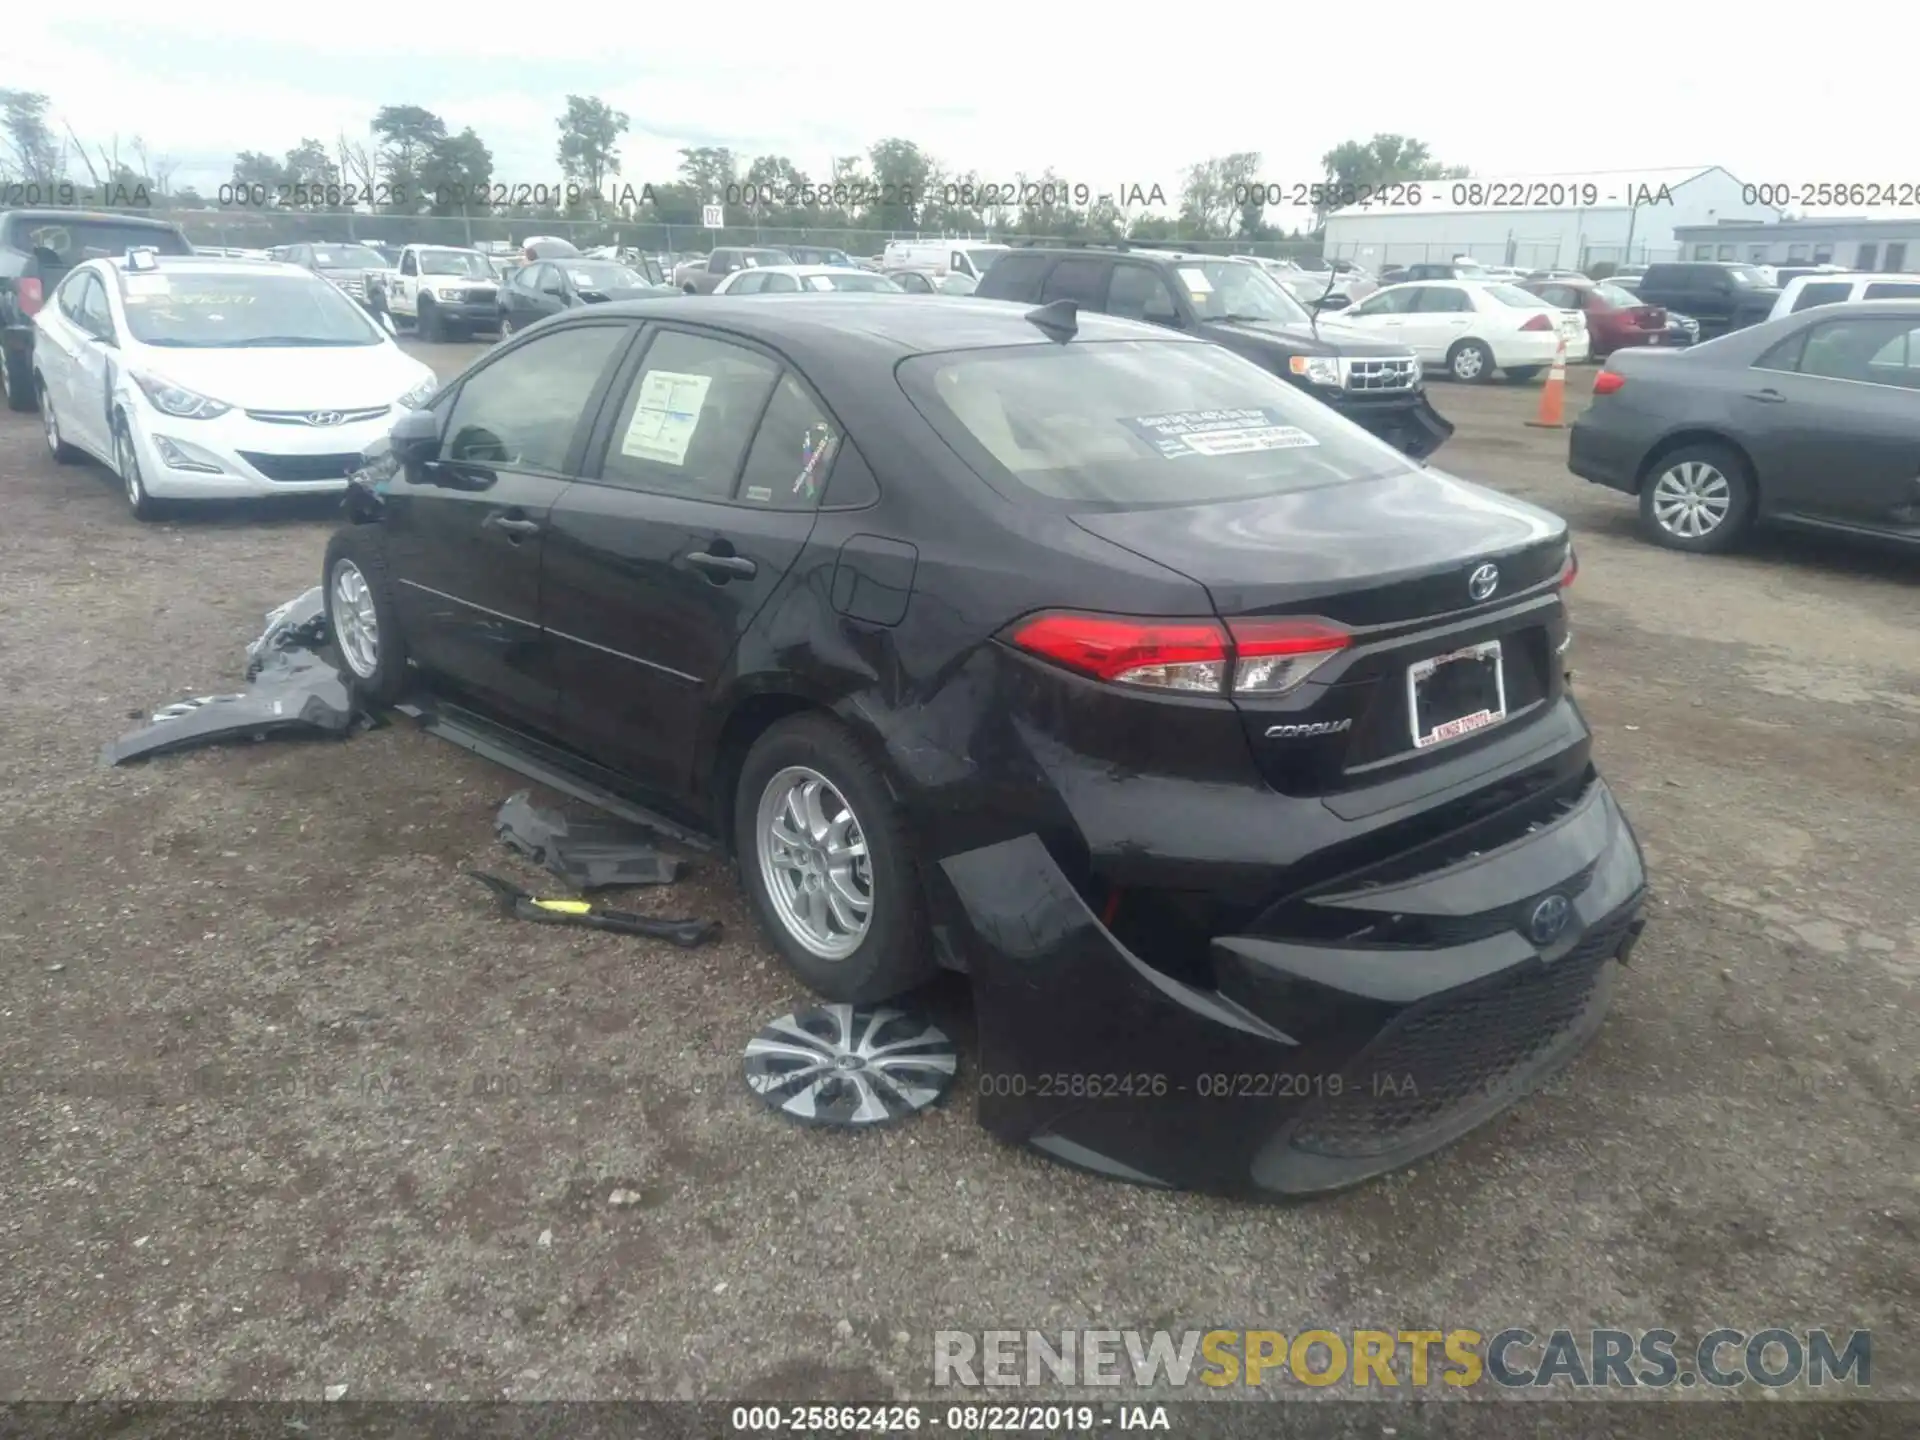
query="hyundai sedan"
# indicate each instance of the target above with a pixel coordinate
(1228, 751)
(209, 379)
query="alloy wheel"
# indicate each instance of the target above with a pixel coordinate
(1467, 363)
(814, 862)
(850, 1065)
(1691, 500)
(356, 624)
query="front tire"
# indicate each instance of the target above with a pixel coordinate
(126, 462)
(63, 453)
(363, 622)
(431, 325)
(1699, 499)
(827, 863)
(1470, 362)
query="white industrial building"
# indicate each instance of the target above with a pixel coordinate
(1573, 221)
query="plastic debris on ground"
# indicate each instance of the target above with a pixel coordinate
(524, 905)
(853, 1066)
(588, 854)
(291, 690)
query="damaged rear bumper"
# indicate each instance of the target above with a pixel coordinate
(1305, 1066)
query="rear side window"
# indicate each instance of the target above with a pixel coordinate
(1892, 290)
(1442, 300)
(1014, 277)
(1827, 293)
(1135, 425)
(793, 452)
(1082, 281)
(523, 409)
(688, 417)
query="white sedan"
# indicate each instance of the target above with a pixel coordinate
(799, 279)
(207, 379)
(1470, 328)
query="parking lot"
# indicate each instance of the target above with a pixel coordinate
(287, 1106)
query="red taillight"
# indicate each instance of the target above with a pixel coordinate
(1608, 381)
(1569, 568)
(32, 297)
(1539, 322)
(1247, 657)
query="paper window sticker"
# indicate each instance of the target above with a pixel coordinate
(665, 416)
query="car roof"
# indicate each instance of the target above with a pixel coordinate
(841, 323)
(204, 265)
(802, 271)
(111, 217)
(1855, 277)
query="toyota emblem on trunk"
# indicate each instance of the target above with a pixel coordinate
(1483, 582)
(1548, 919)
(324, 417)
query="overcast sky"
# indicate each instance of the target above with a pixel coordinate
(1109, 100)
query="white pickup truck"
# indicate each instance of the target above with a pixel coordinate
(445, 292)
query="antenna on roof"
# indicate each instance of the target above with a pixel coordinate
(1058, 321)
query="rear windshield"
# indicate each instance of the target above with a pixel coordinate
(72, 241)
(1516, 297)
(1615, 296)
(1131, 425)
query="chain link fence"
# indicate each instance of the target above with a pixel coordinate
(1526, 253)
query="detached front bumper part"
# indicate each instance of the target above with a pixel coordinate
(1304, 1068)
(1415, 430)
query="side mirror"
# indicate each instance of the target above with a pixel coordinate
(415, 436)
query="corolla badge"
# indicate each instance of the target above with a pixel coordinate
(1548, 919)
(1296, 732)
(1483, 582)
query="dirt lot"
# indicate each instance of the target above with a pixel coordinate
(275, 1079)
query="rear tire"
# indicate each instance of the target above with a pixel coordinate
(815, 761)
(19, 381)
(1470, 362)
(126, 463)
(363, 622)
(63, 453)
(1700, 498)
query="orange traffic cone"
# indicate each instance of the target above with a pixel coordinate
(1553, 399)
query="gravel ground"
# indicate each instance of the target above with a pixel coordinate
(279, 1102)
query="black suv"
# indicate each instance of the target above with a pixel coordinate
(1236, 304)
(1721, 295)
(37, 248)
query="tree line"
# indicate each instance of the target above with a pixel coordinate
(412, 163)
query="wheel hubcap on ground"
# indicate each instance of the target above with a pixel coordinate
(1467, 363)
(129, 469)
(356, 626)
(848, 1065)
(1691, 500)
(813, 858)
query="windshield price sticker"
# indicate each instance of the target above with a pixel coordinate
(1196, 280)
(146, 285)
(1218, 432)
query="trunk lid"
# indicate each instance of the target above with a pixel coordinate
(1391, 559)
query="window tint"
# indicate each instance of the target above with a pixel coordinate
(1084, 281)
(1387, 302)
(1138, 293)
(1829, 292)
(1014, 277)
(688, 416)
(1874, 349)
(1892, 290)
(792, 453)
(522, 410)
(1785, 355)
(1441, 300)
(779, 285)
(1136, 424)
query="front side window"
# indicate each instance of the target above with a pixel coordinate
(523, 409)
(1138, 293)
(780, 285)
(1136, 424)
(229, 311)
(688, 417)
(1387, 302)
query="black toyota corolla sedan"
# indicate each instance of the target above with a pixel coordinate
(1226, 749)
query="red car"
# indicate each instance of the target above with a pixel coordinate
(1616, 320)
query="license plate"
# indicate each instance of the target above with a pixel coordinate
(1456, 694)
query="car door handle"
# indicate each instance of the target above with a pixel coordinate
(515, 526)
(1768, 396)
(723, 566)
